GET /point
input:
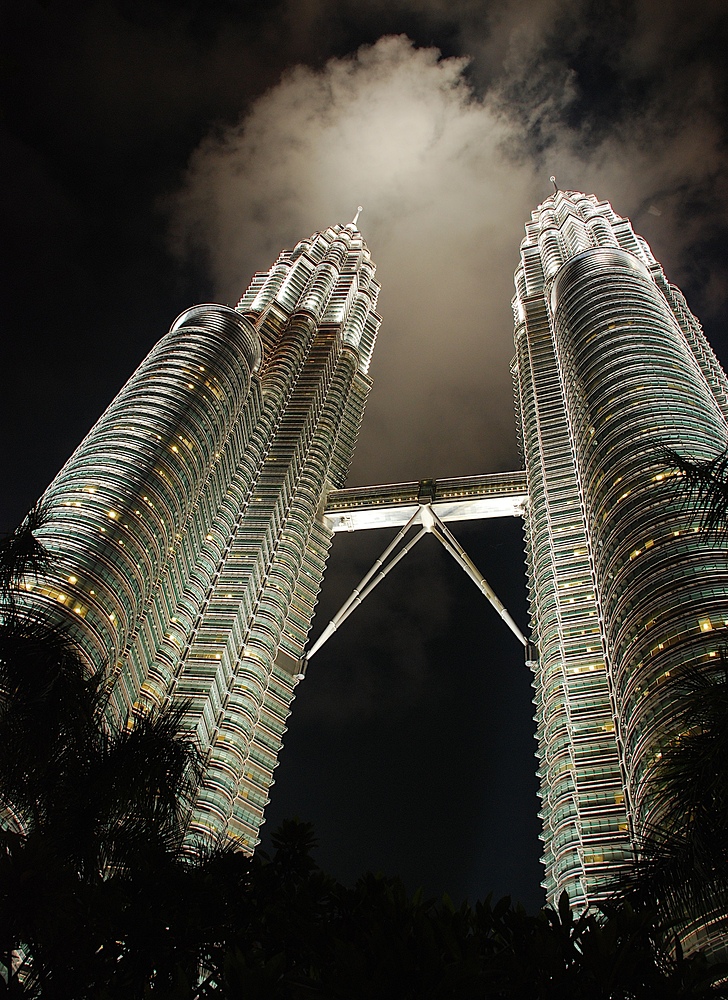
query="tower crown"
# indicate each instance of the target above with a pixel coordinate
(329, 277)
(568, 223)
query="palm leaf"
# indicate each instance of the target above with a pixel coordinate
(681, 863)
(703, 489)
(21, 554)
(143, 787)
(51, 716)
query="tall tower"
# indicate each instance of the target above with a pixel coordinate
(611, 369)
(187, 527)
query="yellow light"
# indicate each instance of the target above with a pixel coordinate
(72, 579)
(113, 515)
(175, 448)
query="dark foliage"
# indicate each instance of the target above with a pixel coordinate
(297, 936)
(94, 811)
(21, 554)
(703, 488)
(100, 898)
(681, 865)
(681, 869)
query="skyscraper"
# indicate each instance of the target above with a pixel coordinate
(611, 369)
(187, 527)
(192, 525)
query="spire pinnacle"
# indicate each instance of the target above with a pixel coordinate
(356, 217)
(553, 181)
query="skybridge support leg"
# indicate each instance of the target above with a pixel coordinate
(431, 524)
(453, 546)
(367, 584)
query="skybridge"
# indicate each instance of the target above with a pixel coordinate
(424, 507)
(469, 498)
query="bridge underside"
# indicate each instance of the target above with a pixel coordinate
(426, 506)
(469, 498)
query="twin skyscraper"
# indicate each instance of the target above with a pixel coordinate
(192, 524)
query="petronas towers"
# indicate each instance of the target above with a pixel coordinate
(192, 525)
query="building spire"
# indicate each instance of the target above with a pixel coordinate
(359, 209)
(553, 181)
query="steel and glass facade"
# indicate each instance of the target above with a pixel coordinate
(611, 369)
(192, 525)
(188, 527)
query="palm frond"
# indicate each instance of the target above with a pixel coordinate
(682, 876)
(51, 716)
(703, 489)
(681, 863)
(144, 784)
(21, 554)
(691, 778)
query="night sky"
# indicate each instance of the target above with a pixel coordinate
(156, 153)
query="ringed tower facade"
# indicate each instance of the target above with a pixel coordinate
(187, 528)
(612, 371)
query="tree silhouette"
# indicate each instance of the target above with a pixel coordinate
(101, 899)
(94, 807)
(681, 868)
